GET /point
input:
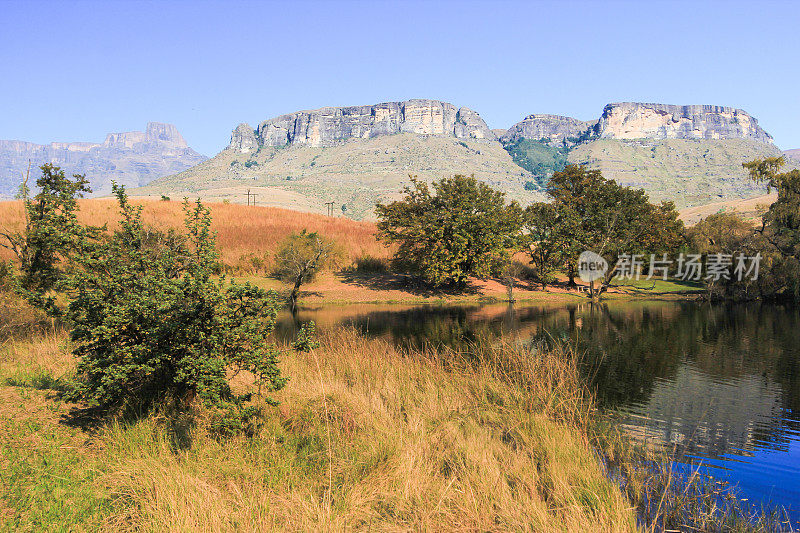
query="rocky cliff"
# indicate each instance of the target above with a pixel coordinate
(132, 158)
(631, 120)
(553, 128)
(329, 125)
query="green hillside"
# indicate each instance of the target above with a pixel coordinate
(690, 172)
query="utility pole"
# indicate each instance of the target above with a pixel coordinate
(249, 194)
(330, 208)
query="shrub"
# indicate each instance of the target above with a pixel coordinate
(6, 276)
(52, 236)
(300, 257)
(150, 323)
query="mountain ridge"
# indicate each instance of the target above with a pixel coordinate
(357, 155)
(130, 158)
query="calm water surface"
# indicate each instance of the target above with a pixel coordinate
(718, 384)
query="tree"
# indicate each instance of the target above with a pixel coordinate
(299, 259)
(463, 230)
(151, 323)
(593, 213)
(730, 234)
(781, 223)
(544, 234)
(52, 235)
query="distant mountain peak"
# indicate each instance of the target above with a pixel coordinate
(132, 158)
(631, 120)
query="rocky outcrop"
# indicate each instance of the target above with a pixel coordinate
(131, 158)
(329, 125)
(243, 139)
(553, 128)
(631, 120)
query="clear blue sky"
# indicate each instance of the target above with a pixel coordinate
(76, 70)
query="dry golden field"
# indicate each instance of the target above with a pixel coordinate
(246, 236)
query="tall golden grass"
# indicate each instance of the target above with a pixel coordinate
(367, 437)
(247, 236)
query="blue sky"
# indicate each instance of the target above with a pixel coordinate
(76, 70)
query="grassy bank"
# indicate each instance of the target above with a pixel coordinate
(366, 437)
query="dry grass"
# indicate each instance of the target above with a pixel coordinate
(247, 237)
(367, 437)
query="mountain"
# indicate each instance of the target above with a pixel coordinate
(632, 120)
(792, 157)
(132, 158)
(326, 126)
(355, 156)
(551, 129)
(352, 156)
(690, 154)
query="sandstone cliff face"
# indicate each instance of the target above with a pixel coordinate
(131, 158)
(329, 125)
(554, 128)
(243, 139)
(630, 120)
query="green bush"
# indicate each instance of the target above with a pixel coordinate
(151, 324)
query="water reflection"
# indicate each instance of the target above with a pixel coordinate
(720, 383)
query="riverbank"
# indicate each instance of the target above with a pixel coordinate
(366, 436)
(345, 287)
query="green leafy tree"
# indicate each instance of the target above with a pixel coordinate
(545, 233)
(51, 236)
(151, 323)
(463, 230)
(300, 257)
(730, 234)
(781, 223)
(593, 213)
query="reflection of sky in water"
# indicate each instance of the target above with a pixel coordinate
(717, 423)
(714, 383)
(766, 475)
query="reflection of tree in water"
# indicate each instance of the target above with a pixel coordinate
(436, 327)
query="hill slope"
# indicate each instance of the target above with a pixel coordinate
(354, 173)
(690, 172)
